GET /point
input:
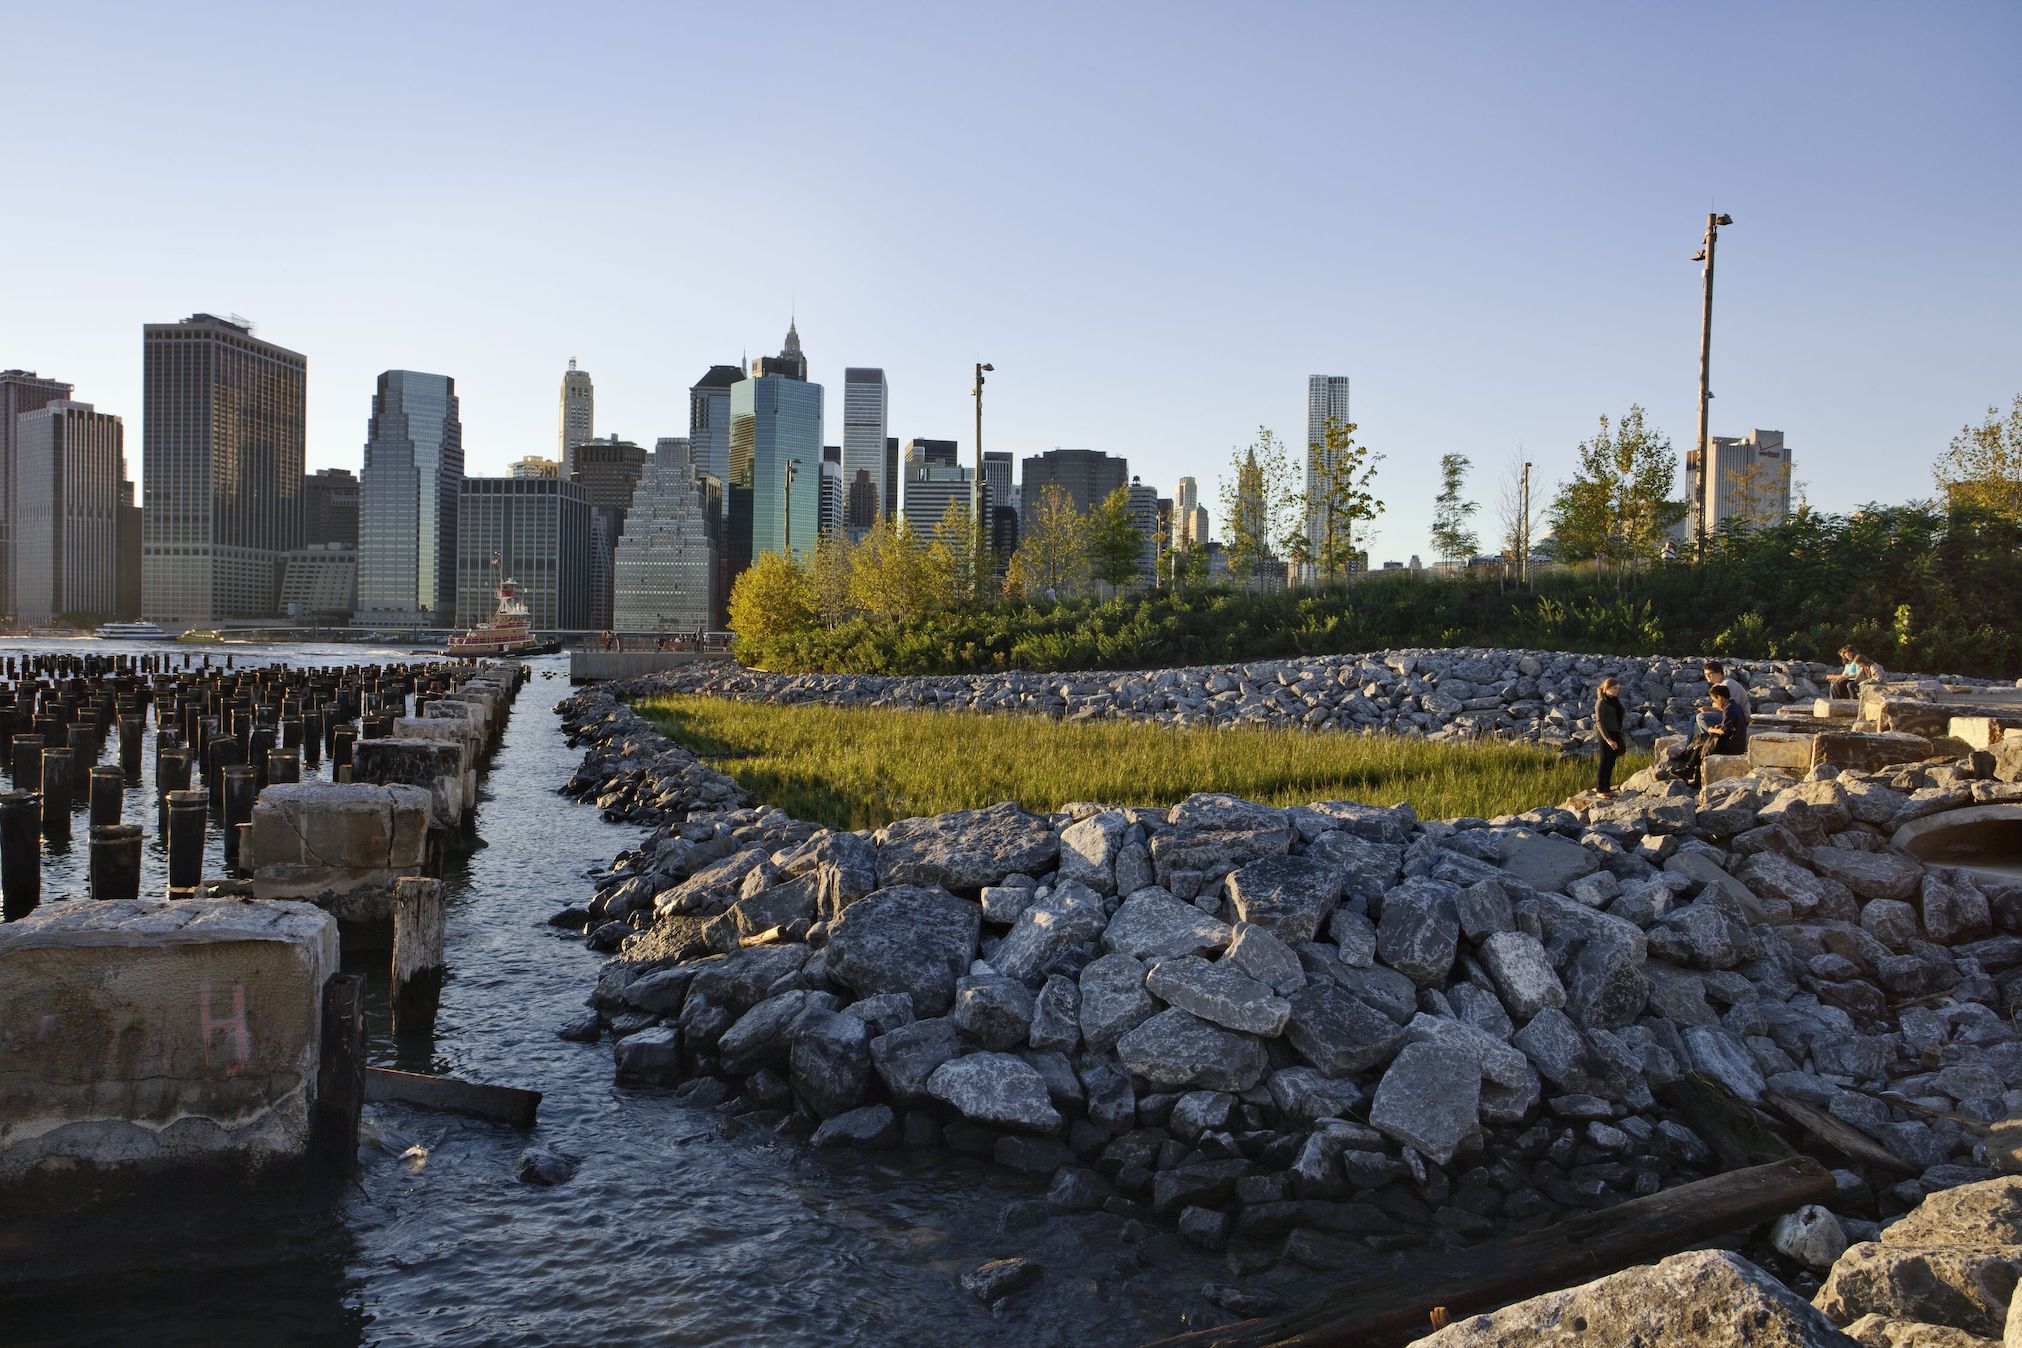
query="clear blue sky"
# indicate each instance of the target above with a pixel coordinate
(1156, 219)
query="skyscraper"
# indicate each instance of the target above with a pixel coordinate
(1326, 400)
(831, 490)
(865, 400)
(330, 508)
(20, 391)
(1144, 515)
(709, 420)
(934, 481)
(1086, 475)
(222, 443)
(1184, 500)
(775, 459)
(533, 465)
(69, 466)
(1749, 479)
(408, 499)
(609, 469)
(579, 412)
(665, 567)
(538, 530)
(891, 506)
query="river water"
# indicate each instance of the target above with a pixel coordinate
(681, 1225)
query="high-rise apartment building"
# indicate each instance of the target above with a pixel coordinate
(1086, 475)
(20, 391)
(534, 532)
(330, 508)
(775, 459)
(69, 466)
(579, 412)
(1143, 501)
(1326, 400)
(866, 397)
(1749, 479)
(665, 567)
(222, 444)
(709, 420)
(934, 481)
(408, 500)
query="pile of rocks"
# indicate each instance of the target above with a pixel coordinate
(1329, 1025)
(1463, 693)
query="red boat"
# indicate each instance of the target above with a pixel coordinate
(509, 631)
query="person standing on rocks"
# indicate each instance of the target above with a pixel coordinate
(1608, 718)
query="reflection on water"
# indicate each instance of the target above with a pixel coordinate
(682, 1226)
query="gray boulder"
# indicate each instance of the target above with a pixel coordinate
(1870, 875)
(830, 1063)
(1954, 907)
(1419, 930)
(1220, 994)
(1286, 896)
(1265, 958)
(1696, 1300)
(1546, 862)
(993, 1010)
(1179, 1051)
(1523, 973)
(1113, 1000)
(906, 1057)
(995, 1089)
(1056, 1015)
(966, 849)
(1070, 914)
(868, 1126)
(652, 1055)
(1153, 925)
(910, 939)
(1429, 1099)
(1088, 850)
(1337, 1032)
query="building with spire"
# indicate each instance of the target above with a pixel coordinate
(775, 458)
(579, 414)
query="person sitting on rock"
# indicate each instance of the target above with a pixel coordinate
(1725, 732)
(1718, 677)
(1608, 718)
(1844, 684)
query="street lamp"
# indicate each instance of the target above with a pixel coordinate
(1705, 254)
(792, 472)
(976, 487)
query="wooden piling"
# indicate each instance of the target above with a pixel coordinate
(419, 920)
(108, 795)
(115, 861)
(340, 1076)
(20, 854)
(188, 816)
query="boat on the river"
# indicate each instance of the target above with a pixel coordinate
(208, 636)
(509, 630)
(132, 632)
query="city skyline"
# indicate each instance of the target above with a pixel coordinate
(1502, 265)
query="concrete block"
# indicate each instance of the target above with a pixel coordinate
(1983, 732)
(1719, 767)
(1838, 708)
(434, 765)
(339, 845)
(1779, 752)
(150, 1036)
(1868, 753)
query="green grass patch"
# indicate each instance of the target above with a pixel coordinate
(862, 768)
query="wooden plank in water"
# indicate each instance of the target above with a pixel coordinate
(500, 1104)
(1395, 1306)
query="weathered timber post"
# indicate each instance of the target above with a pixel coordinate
(419, 919)
(340, 1076)
(241, 788)
(188, 816)
(108, 794)
(56, 792)
(28, 762)
(115, 861)
(20, 854)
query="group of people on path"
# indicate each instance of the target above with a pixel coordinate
(1723, 727)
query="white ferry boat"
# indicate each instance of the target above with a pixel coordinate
(133, 632)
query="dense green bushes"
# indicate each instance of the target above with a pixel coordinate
(1913, 586)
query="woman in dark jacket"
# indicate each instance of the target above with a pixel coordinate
(1608, 721)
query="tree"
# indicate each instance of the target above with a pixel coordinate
(1618, 505)
(1452, 537)
(889, 575)
(770, 598)
(951, 555)
(1983, 465)
(1052, 551)
(1517, 515)
(1337, 500)
(829, 576)
(1115, 543)
(1259, 506)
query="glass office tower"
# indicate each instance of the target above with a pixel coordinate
(407, 504)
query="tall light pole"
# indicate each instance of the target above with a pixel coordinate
(1524, 529)
(792, 471)
(1705, 255)
(976, 487)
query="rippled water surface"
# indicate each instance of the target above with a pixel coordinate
(682, 1226)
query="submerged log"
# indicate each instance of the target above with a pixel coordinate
(500, 1104)
(1395, 1306)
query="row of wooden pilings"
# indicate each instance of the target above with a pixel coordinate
(222, 734)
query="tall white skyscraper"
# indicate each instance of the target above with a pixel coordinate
(70, 464)
(579, 414)
(664, 572)
(1326, 400)
(1184, 499)
(866, 398)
